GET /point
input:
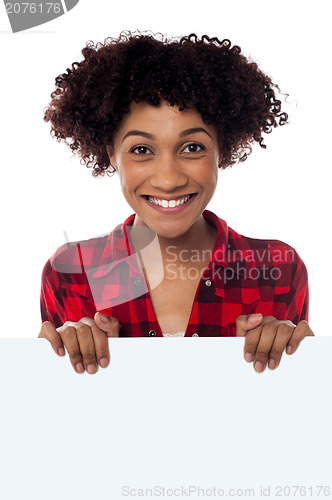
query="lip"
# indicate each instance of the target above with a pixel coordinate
(170, 210)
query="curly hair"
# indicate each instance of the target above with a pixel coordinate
(226, 88)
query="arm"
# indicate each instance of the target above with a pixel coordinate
(86, 340)
(267, 337)
(298, 299)
(51, 303)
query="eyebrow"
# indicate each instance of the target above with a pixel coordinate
(188, 131)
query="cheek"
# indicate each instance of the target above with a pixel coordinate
(125, 185)
(129, 180)
(123, 178)
(207, 174)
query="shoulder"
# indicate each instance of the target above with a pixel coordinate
(263, 251)
(73, 257)
(256, 252)
(273, 265)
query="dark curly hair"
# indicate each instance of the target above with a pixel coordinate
(227, 89)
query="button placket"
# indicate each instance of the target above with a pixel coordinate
(139, 288)
(207, 289)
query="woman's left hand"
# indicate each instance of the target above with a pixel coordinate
(266, 338)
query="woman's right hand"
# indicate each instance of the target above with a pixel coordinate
(86, 341)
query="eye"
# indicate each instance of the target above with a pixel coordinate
(140, 150)
(194, 148)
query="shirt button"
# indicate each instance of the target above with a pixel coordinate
(137, 281)
(195, 335)
(208, 283)
(152, 333)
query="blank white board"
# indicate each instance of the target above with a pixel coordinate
(168, 418)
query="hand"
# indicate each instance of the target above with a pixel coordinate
(266, 338)
(86, 341)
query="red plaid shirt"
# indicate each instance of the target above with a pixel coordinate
(244, 276)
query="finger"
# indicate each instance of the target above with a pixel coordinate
(284, 333)
(87, 346)
(108, 324)
(250, 344)
(101, 346)
(67, 333)
(49, 332)
(301, 330)
(100, 341)
(245, 323)
(268, 334)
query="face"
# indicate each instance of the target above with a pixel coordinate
(162, 155)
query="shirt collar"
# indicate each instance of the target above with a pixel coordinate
(231, 250)
(118, 249)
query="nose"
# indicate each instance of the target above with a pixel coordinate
(168, 175)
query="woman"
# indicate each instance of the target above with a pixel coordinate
(166, 116)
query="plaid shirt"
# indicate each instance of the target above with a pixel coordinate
(244, 276)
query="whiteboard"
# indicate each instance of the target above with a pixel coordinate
(165, 416)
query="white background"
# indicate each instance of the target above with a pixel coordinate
(282, 192)
(194, 412)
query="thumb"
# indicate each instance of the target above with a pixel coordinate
(108, 324)
(245, 323)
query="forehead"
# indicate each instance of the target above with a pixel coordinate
(163, 119)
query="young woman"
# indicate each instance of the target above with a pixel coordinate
(166, 116)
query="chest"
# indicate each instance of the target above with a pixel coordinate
(172, 302)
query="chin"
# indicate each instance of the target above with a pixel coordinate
(171, 230)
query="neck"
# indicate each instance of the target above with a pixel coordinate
(200, 236)
(160, 257)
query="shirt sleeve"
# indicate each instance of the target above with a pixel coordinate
(298, 301)
(51, 303)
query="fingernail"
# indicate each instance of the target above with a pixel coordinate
(61, 351)
(253, 318)
(80, 367)
(289, 349)
(91, 369)
(258, 366)
(272, 364)
(103, 318)
(248, 357)
(103, 362)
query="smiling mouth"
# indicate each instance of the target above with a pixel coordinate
(172, 203)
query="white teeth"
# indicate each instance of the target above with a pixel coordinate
(170, 203)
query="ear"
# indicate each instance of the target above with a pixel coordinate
(110, 152)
